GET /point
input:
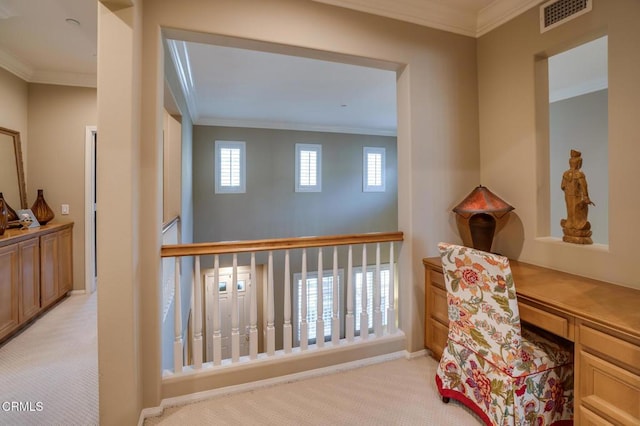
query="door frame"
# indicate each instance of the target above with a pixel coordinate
(90, 209)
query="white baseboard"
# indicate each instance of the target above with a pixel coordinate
(77, 292)
(417, 354)
(201, 396)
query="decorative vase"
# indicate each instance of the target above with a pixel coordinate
(41, 209)
(4, 221)
(11, 213)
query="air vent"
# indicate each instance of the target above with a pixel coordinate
(557, 12)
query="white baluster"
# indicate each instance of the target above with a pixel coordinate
(349, 319)
(391, 313)
(335, 313)
(287, 332)
(304, 330)
(217, 333)
(253, 314)
(364, 317)
(177, 321)
(319, 303)
(235, 318)
(377, 289)
(197, 311)
(271, 329)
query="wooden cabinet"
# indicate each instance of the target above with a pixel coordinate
(9, 289)
(56, 266)
(29, 278)
(608, 376)
(36, 270)
(602, 319)
(436, 325)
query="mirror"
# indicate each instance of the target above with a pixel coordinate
(12, 183)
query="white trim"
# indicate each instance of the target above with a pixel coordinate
(283, 125)
(442, 15)
(365, 169)
(306, 147)
(500, 11)
(89, 231)
(181, 62)
(15, 65)
(234, 145)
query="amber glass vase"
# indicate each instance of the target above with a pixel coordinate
(4, 219)
(41, 209)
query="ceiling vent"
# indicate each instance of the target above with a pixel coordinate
(557, 12)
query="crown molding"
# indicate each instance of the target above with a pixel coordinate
(65, 78)
(442, 15)
(305, 127)
(15, 66)
(429, 13)
(500, 11)
(28, 74)
(180, 59)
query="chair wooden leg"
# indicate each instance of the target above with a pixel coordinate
(445, 399)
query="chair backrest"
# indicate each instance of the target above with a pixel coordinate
(482, 303)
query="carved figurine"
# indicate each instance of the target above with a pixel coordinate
(576, 228)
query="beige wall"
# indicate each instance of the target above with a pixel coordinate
(58, 116)
(512, 137)
(14, 94)
(437, 150)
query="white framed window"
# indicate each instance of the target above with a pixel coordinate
(384, 293)
(308, 167)
(373, 166)
(312, 302)
(230, 170)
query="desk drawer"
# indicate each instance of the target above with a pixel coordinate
(620, 351)
(439, 305)
(549, 321)
(439, 335)
(437, 280)
(609, 376)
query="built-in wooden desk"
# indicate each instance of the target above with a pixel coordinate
(602, 319)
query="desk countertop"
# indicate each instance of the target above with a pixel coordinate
(605, 303)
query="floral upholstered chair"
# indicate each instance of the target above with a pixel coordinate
(506, 374)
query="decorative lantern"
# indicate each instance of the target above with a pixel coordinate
(477, 215)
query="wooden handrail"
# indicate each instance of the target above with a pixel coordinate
(230, 247)
(170, 223)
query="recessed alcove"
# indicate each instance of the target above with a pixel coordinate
(572, 113)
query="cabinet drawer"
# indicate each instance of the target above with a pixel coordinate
(439, 305)
(620, 351)
(549, 321)
(589, 418)
(438, 333)
(609, 390)
(437, 280)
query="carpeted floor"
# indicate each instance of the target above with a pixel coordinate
(400, 392)
(49, 372)
(48, 376)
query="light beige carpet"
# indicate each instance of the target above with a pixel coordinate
(49, 372)
(400, 392)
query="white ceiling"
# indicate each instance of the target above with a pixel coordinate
(240, 87)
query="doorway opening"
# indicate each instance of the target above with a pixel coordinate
(90, 222)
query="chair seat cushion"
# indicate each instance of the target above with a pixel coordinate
(539, 353)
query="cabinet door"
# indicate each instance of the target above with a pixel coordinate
(65, 261)
(9, 285)
(48, 269)
(30, 273)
